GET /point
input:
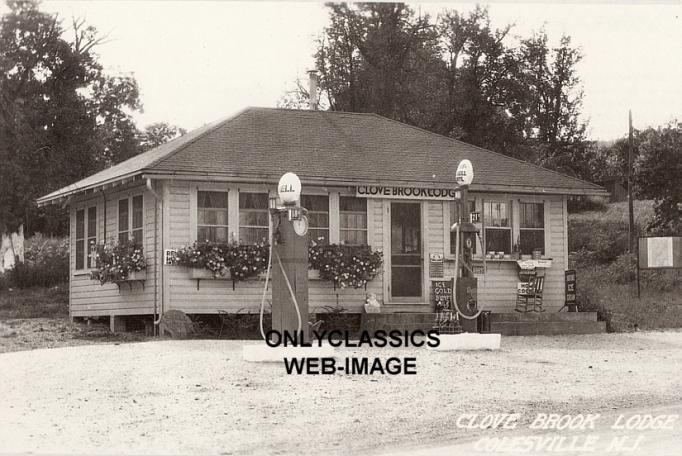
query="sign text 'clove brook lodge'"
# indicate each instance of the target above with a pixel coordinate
(379, 191)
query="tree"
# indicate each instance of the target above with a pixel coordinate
(459, 77)
(658, 168)
(61, 117)
(375, 57)
(554, 102)
(483, 99)
(158, 133)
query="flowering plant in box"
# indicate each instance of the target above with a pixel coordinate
(241, 261)
(115, 261)
(345, 265)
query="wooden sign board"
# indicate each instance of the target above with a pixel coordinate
(442, 294)
(660, 252)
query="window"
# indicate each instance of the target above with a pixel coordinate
(212, 217)
(253, 218)
(353, 220)
(86, 237)
(318, 217)
(531, 227)
(130, 228)
(92, 235)
(80, 239)
(497, 227)
(455, 207)
(123, 222)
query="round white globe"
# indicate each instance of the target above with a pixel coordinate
(289, 188)
(465, 173)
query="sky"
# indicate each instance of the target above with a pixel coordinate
(196, 62)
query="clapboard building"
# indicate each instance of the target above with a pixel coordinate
(368, 180)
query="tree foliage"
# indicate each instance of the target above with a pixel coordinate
(61, 116)
(658, 174)
(458, 76)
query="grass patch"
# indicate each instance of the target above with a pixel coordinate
(618, 305)
(35, 302)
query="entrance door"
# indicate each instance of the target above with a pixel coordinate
(406, 252)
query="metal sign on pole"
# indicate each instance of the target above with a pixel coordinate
(658, 253)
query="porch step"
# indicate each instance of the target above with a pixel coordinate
(546, 328)
(398, 321)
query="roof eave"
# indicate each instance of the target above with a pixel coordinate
(63, 194)
(317, 180)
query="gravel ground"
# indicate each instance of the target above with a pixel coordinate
(198, 396)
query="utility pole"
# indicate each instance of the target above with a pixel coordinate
(631, 216)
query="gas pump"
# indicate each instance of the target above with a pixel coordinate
(288, 261)
(466, 285)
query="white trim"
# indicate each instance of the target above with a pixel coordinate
(334, 218)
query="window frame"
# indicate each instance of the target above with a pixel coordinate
(328, 212)
(89, 242)
(197, 208)
(509, 227)
(540, 203)
(365, 213)
(130, 229)
(239, 212)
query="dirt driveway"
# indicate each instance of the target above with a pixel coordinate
(198, 396)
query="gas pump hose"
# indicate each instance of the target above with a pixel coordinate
(265, 288)
(454, 284)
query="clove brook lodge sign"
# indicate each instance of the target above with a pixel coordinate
(378, 191)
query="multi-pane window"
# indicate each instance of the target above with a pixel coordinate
(80, 239)
(318, 217)
(531, 227)
(130, 228)
(123, 221)
(496, 217)
(253, 218)
(86, 237)
(455, 213)
(353, 220)
(92, 235)
(212, 217)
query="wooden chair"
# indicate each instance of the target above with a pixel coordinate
(537, 294)
(525, 292)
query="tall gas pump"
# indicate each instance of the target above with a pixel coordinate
(466, 285)
(289, 259)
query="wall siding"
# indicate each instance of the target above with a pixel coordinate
(497, 287)
(88, 297)
(218, 294)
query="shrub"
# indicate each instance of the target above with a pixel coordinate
(46, 263)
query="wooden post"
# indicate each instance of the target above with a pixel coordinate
(292, 250)
(631, 216)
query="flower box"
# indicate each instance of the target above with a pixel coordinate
(133, 277)
(203, 273)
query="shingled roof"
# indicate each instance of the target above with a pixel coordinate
(329, 148)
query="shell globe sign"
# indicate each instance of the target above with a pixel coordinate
(465, 173)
